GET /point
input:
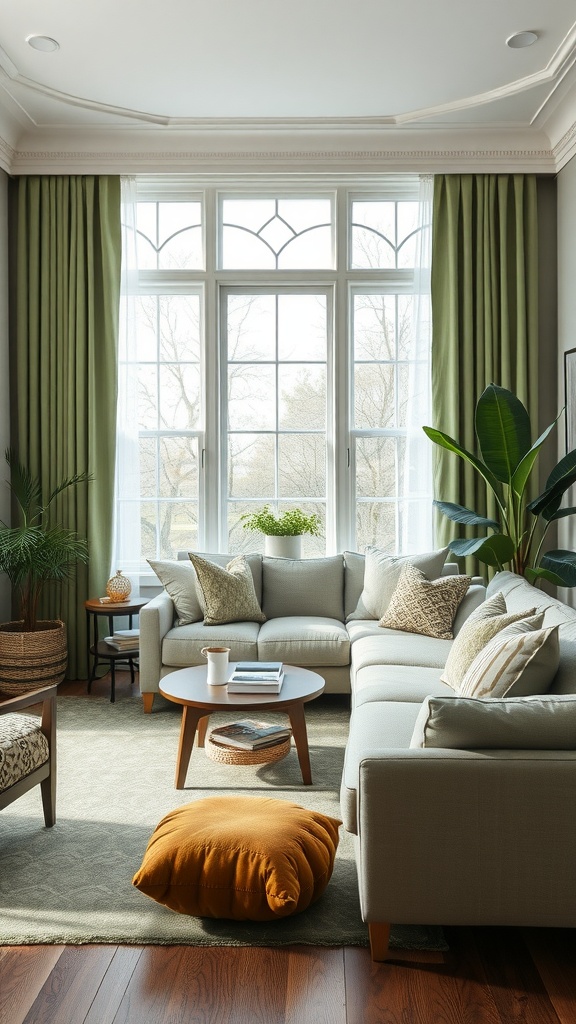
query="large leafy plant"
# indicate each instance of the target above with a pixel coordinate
(508, 457)
(37, 551)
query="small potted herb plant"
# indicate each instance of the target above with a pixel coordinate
(282, 533)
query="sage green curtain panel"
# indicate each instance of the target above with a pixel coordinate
(484, 313)
(67, 285)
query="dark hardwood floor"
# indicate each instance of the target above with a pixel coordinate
(488, 976)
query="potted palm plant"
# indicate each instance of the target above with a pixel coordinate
(282, 534)
(508, 457)
(33, 553)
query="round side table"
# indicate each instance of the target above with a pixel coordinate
(98, 649)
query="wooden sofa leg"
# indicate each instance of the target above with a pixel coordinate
(147, 700)
(379, 932)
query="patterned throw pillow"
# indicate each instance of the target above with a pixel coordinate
(227, 594)
(484, 623)
(520, 661)
(419, 605)
(381, 574)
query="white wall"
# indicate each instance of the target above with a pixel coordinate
(566, 317)
(4, 380)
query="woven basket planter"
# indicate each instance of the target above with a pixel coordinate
(235, 755)
(29, 660)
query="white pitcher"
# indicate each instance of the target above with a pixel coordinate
(217, 658)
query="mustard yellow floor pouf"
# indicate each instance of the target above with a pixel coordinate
(245, 858)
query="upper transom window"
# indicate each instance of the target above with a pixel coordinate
(384, 234)
(277, 234)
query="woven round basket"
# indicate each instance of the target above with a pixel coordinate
(30, 660)
(234, 755)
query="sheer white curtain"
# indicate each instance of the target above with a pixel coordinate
(127, 546)
(417, 527)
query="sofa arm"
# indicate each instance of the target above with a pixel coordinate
(156, 618)
(469, 838)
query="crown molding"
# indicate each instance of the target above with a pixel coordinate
(324, 160)
(7, 154)
(565, 148)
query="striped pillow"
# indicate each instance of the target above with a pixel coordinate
(520, 661)
(483, 624)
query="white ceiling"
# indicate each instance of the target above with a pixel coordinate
(133, 75)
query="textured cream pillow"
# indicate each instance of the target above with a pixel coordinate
(518, 662)
(514, 723)
(381, 574)
(228, 595)
(484, 623)
(179, 581)
(419, 605)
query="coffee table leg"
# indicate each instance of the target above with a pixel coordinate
(298, 723)
(202, 727)
(190, 719)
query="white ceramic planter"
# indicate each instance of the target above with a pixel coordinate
(283, 547)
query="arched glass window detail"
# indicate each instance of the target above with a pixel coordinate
(277, 234)
(169, 236)
(384, 234)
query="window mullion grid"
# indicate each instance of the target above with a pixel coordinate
(277, 411)
(157, 370)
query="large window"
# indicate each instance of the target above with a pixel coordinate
(266, 358)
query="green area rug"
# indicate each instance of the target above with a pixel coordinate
(73, 883)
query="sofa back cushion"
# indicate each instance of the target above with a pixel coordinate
(511, 723)
(303, 586)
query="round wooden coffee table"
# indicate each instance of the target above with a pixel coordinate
(188, 687)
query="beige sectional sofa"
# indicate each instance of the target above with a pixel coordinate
(467, 829)
(314, 617)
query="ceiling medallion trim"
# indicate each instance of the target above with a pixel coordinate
(553, 72)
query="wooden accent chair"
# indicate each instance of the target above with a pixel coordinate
(28, 749)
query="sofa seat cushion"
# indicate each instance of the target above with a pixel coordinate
(306, 640)
(397, 683)
(374, 728)
(182, 645)
(23, 748)
(390, 647)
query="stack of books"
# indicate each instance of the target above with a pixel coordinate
(124, 639)
(256, 677)
(250, 735)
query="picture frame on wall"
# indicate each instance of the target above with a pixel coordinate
(570, 397)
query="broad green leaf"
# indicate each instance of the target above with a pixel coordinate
(447, 442)
(460, 514)
(563, 564)
(543, 574)
(503, 429)
(495, 551)
(560, 514)
(522, 472)
(561, 478)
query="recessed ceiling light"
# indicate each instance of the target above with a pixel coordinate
(521, 39)
(44, 43)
